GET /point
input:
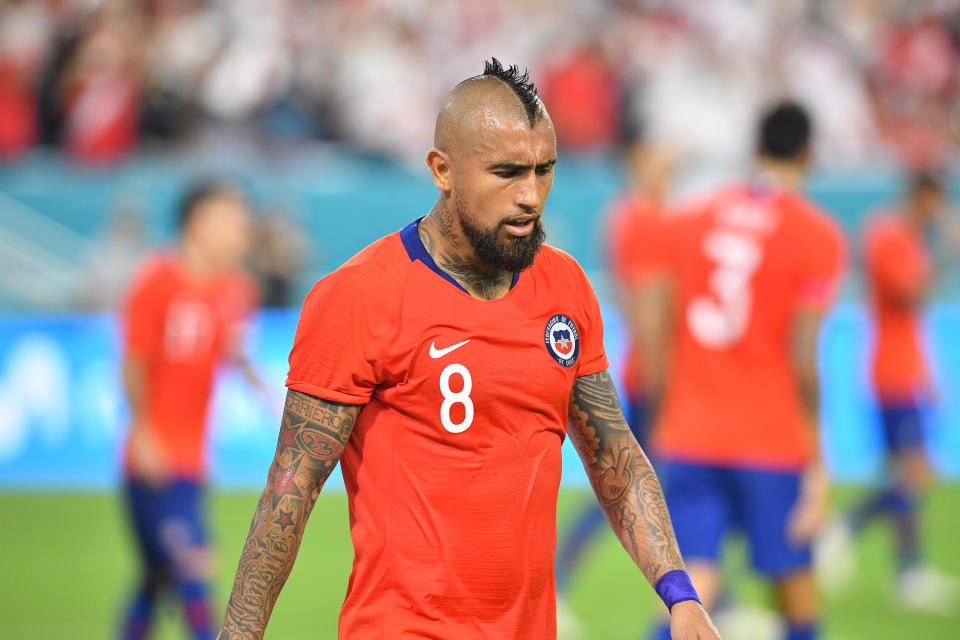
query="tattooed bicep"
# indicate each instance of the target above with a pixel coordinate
(594, 402)
(321, 428)
(313, 433)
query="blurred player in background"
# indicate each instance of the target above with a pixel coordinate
(899, 273)
(445, 363)
(184, 317)
(634, 236)
(751, 269)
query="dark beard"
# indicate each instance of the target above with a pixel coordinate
(514, 254)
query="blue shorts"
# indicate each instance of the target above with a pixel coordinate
(903, 427)
(707, 502)
(166, 521)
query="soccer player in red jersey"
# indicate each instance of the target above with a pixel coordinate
(752, 269)
(637, 227)
(184, 316)
(444, 365)
(635, 237)
(899, 273)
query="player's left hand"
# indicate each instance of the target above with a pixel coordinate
(809, 513)
(689, 621)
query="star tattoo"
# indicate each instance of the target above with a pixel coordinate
(284, 520)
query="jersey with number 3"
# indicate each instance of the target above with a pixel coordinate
(453, 466)
(743, 263)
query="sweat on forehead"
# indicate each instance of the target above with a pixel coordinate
(477, 103)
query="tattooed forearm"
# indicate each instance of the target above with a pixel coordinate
(312, 437)
(622, 476)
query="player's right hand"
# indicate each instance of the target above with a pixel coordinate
(689, 621)
(147, 461)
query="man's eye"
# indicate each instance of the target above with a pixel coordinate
(506, 174)
(542, 171)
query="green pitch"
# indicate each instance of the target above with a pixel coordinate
(67, 563)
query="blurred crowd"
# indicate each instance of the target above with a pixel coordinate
(101, 78)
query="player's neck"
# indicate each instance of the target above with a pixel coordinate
(196, 264)
(914, 217)
(444, 241)
(787, 174)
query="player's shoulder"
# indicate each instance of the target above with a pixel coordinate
(553, 258)
(239, 284)
(375, 273)
(157, 270)
(885, 228)
(885, 222)
(556, 265)
(814, 219)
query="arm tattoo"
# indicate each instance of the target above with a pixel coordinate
(622, 477)
(313, 435)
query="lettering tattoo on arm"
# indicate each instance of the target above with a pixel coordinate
(313, 435)
(622, 477)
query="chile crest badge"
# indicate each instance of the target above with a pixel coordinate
(562, 339)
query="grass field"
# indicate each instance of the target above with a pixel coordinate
(67, 562)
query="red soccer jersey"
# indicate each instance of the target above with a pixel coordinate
(182, 328)
(899, 270)
(636, 257)
(453, 467)
(743, 262)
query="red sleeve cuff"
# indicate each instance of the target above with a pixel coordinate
(591, 367)
(328, 394)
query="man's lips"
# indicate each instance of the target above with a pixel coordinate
(521, 225)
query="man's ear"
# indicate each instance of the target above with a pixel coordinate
(441, 168)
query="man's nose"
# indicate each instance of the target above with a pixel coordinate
(528, 196)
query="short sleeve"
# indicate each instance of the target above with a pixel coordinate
(337, 348)
(142, 314)
(824, 256)
(593, 356)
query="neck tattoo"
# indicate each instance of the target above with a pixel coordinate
(449, 250)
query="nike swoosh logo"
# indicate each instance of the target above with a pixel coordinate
(439, 353)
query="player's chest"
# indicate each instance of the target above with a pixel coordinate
(495, 368)
(191, 325)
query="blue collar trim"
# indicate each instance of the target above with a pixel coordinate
(415, 249)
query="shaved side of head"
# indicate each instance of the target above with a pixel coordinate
(497, 98)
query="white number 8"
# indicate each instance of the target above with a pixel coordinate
(460, 397)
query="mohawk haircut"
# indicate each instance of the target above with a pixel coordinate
(519, 83)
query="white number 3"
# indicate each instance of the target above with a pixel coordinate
(720, 321)
(451, 398)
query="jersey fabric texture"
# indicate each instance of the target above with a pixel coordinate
(636, 258)
(453, 467)
(182, 328)
(899, 270)
(742, 263)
